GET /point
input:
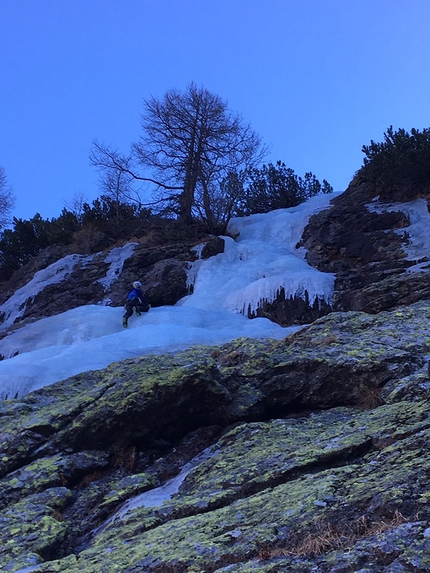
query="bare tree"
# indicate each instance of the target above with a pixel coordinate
(191, 143)
(117, 173)
(7, 199)
(76, 205)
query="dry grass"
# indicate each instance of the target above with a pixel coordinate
(57, 515)
(331, 537)
(329, 339)
(370, 398)
(324, 341)
(233, 358)
(89, 478)
(125, 457)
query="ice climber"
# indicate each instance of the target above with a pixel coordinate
(135, 302)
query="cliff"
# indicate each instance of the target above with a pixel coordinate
(307, 454)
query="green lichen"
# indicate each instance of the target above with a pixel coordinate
(32, 526)
(49, 472)
(128, 487)
(265, 483)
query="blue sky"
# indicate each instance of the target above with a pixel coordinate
(316, 79)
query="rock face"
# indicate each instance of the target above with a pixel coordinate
(106, 277)
(365, 249)
(366, 252)
(308, 454)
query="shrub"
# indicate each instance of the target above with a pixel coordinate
(399, 167)
(277, 187)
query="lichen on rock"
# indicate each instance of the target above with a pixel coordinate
(321, 436)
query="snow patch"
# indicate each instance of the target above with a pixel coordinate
(262, 260)
(15, 306)
(417, 247)
(116, 258)
(158, 496)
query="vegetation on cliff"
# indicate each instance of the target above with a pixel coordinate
(399, 166)
(96, 226)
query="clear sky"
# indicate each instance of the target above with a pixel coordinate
(316, 79)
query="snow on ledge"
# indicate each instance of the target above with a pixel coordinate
(15, 306)
(116, 258)
(260, 262)
(418, 245)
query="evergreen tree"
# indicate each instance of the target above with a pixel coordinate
(277, 187)
(399, 166)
